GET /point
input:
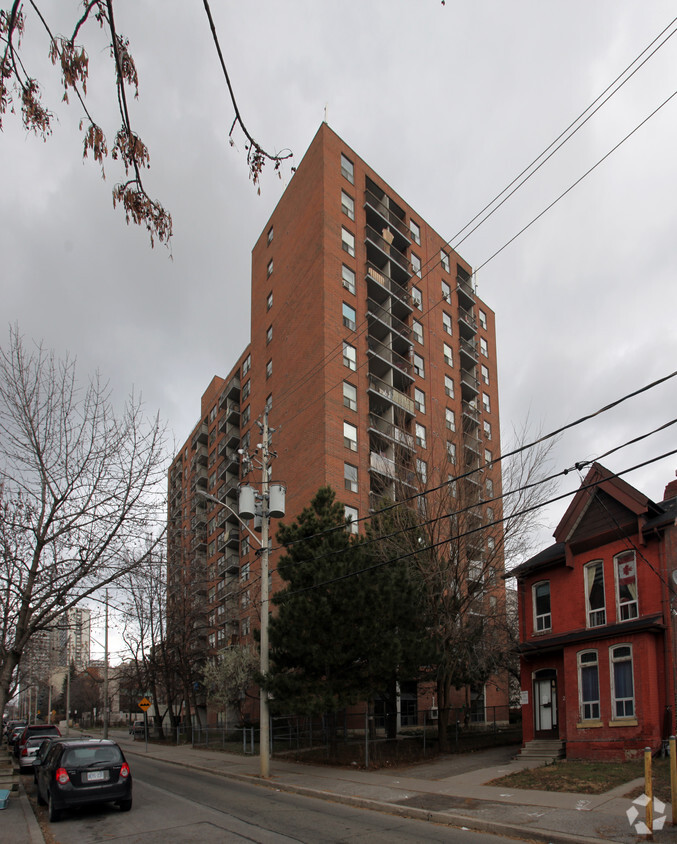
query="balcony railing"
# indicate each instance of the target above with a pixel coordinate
(401, 293)
(395, 396)
(391, 432)
(395, 471)
(376, 347)
(379, 206)
(469, 348)
(200, 436)
(388, 249)
(466, 321)
(388, 319)
(465, 292)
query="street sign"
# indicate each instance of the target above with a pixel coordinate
(144, 704)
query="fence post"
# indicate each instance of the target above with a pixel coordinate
(648, 790)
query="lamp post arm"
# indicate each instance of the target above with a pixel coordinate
(216, 500)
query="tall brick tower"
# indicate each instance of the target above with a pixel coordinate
(376, 361)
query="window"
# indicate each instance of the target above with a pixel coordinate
(446, 292)
(244, 546)
(269, 368)
(350, 477)
(269, 268)
(269, 301)
(348, 278)
(245, 626)
(349, 396)
(490, 514)
(352, 516)
(487, 429)
(349, 317)
(348, 242)
(417, 328)
(416, 298)
(626, 586)
(245, 390)
(588, 685)
(347, 169)
(419, 400)
(349, 356)
(350, 436)
(486, 403)
(444, 260)
(416, 264)
(485, 373)
(270, 235)
(594, 593)
(450, 419)
(269, 402)
(246, 365)
(483, 319)
(451, 451)
(622, 687)
(419, 366)
(415, 231)
(420, 436)
(347, 205)
(269, 334)
(484, 347)
(446, 323)
(448, 354)
(246, 414)
(422, 470)
(244, 571)
(449, 386)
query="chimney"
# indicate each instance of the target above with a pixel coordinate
(670, 490)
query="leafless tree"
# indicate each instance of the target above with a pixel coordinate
(458, 529)
(72, 59)
(229, 674)
(81, 489)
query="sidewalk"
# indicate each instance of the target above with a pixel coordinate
(450, 791)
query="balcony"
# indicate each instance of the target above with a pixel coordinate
(201, 436)
(391, 470)
(473, 444)
(199, 543)
(232, 436)
(470, 414)
(382, 241)
(232, 538)
(231, 488)
(470, 386)
(388, 320)
(379, 282)
(380, 206)
(466, 323)
(232, 390)
(229, 563)
(465, 292)
(200, 478)
(386, 354)
(233, 413)
(391, 432)
(199, 521)
(469, 353)
(399, 399)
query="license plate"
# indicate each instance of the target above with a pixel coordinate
(96, 776)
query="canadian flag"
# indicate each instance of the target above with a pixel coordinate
(626, 572)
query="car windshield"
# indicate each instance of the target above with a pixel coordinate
(87, 757)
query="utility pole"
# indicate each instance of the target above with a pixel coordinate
(68, 681)
(105, 674)
(265, 517)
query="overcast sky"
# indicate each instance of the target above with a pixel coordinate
(448, 103)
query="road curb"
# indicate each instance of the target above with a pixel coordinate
(35, 835)
(441, 818)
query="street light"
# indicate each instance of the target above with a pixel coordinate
(270, 503)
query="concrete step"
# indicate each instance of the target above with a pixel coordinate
(542, 749)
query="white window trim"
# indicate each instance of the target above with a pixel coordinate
(581, 703)
(546, 626)
(612, 675)
(588, 610)
(617, 590)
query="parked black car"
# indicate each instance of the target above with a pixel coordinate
(78, 772)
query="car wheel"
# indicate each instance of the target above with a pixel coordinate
(125, 805)
(54, 814)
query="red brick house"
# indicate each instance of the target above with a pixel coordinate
(596, 634)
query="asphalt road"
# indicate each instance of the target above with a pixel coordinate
(176, 806)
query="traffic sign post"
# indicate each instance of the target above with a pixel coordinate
(144, 704)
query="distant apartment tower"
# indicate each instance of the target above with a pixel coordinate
(71, 639)
(375, 359)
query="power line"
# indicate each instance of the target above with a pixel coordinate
(470, 532)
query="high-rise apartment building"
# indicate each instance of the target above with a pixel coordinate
(375, 359)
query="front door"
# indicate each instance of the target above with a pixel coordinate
(545, 704)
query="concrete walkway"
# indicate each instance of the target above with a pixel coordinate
(452, 790)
